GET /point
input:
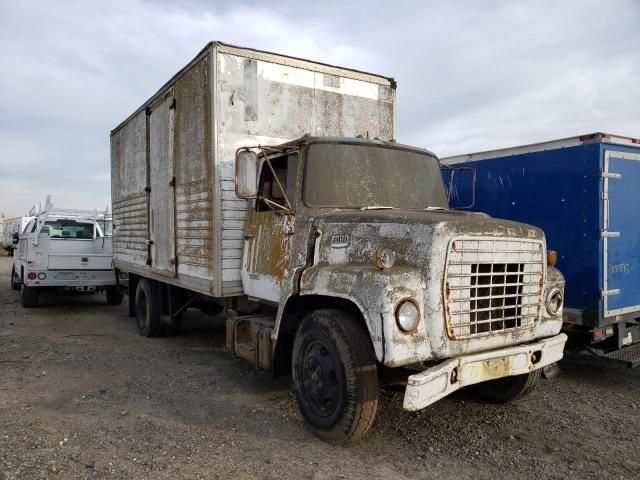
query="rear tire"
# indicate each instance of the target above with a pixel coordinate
(131, 295)
(16, 283)
(507, 389)
(335, 376)
(30, 297)
(114, 296)
(148, 308)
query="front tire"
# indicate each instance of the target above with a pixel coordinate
(335, 376)
(148, 308)
(30, 297)
(507, 389)
(16, 283)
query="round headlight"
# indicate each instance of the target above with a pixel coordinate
(554, 301)
(407, 315)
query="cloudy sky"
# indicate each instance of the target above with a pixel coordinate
(471, 75)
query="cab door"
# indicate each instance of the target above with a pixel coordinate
(269, 230)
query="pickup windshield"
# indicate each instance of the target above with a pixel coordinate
(68, 229)
(359, 176)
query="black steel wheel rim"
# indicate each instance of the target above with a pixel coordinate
(322, 383)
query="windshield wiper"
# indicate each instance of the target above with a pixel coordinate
(377, 207)
(435, 208)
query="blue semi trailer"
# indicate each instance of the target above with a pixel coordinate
(584, 192)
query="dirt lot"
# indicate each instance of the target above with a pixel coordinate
(83, 396)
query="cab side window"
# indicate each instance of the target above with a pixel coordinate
(269, 188)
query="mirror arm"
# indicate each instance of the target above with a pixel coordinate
(282, 208)
(273, 172)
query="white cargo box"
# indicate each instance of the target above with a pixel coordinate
(176, 216)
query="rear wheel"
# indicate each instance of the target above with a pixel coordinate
(148, 308)
(507, 389)
(30, 296)
(114, 296)
(16, 283)
(335, 376)
(131, 295)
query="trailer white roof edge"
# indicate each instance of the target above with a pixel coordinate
(598, 137)
(265, 56)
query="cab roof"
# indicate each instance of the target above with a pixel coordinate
(309, 139)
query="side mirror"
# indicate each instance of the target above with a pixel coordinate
(246, 174)
(16, 238)
(461, 187)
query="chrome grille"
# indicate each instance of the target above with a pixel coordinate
(493, 285)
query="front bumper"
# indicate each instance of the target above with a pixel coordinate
(429, 386)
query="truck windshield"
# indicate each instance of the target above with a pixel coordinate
(358, 176)
(68, 229)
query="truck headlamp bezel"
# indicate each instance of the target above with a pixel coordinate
(554, 301)
(407, 315)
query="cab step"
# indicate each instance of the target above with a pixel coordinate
(249, 337)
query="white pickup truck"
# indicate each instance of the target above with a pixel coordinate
(66, 250)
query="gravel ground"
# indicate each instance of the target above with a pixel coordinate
(83, 396)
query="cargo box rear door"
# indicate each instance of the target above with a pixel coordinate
(161, 182)
(621, 233)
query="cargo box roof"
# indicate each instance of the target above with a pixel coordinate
(598, 137)
(270, 57)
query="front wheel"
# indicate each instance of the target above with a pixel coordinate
(16, 283)
(335, 376)
(507, 389)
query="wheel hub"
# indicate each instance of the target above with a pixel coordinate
(320, 379)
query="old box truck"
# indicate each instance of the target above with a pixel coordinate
(256, 177)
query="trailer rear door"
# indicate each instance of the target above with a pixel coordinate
(621, 233)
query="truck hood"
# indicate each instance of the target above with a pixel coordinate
(469, 223)
(418, 238)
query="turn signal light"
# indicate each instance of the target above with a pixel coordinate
(552, 258)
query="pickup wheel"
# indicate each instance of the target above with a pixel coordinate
(148, 308)
(335, 376)
(507, 389)
(16, 283)
(30, 296)
(114, 296)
